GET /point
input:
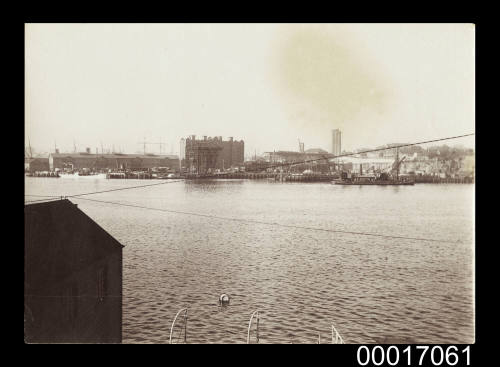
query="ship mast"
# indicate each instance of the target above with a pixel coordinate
(397, 164)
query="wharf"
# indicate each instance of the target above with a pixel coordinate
(42, 174)
(374, 183)
(232, 175)
(285, 177)
(436, 179)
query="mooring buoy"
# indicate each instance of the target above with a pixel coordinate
(223, 299)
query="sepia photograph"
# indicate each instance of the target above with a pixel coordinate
(249, 183)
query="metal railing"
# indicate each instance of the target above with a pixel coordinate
(250, 325)
(185, 324)
(336, 338)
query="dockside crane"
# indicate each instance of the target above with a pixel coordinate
(397, 164)
(393, 170)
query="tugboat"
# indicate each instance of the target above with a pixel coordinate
(384, 178)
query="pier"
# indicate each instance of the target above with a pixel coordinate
(283, 177)
(287, 177)
(440, 180)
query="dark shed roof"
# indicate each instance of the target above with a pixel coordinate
(60, 240)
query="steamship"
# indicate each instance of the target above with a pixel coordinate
(389, 177)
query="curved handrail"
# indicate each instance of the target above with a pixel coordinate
(173, 323)
(250, 325)
(337, 336)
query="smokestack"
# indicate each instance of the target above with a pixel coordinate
(57, 151)
(87, 150)
(204, 137)
(230, 138)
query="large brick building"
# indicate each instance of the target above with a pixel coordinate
(202, 156)
(232, 154)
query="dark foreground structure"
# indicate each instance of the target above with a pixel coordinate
(73, 277)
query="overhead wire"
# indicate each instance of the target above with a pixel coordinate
(79, 196)
(122, 188)
(39, 200)
(97, 192)
(279, 165)
(366, 151)
(43, 196)
(267, 223)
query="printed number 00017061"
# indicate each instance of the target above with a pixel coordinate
(378, 355)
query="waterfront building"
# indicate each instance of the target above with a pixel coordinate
(365, 164)
(284, 156)
(314, 154)
(182, 149)
(232, 154)
(206, 155)
(336, 142)
(316, 151)
(73, 277)
(468, 166)
(389, 153)
(75, 161)
(36, 164)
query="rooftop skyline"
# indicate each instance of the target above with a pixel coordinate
(267, 84)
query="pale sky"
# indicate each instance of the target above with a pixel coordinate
(268, 84)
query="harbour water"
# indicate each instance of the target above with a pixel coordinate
(300, 280)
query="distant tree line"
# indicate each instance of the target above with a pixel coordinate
(442, 152)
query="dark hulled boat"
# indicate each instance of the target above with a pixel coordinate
(384, 178)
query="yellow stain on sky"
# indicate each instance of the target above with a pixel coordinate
(268, 84)
(403, 83)
(327, 79)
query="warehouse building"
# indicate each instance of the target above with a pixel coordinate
(77, 161)
(36, 164)
(232, 154)
(283, 156)
(202, 156)
(315, 159)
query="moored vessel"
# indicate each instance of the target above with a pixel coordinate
(390, 177)
(89, 175)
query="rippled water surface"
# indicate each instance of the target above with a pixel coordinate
(300, 280)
